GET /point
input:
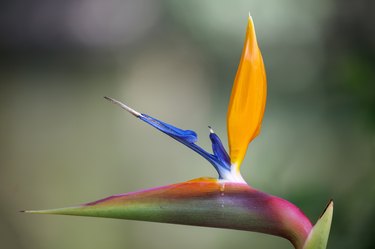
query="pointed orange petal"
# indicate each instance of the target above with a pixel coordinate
(248, 99)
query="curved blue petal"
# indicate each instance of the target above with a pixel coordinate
(186, 135)
(218, 149)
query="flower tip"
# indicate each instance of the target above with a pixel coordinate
(251, 28)
(123, 106)
(250, 18)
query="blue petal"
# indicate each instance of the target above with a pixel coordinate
(185, 135)
(218, 149)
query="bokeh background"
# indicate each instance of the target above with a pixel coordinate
(62, 144)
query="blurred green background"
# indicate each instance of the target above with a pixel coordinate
(62, 144)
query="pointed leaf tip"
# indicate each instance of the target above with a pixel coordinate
(318, 237)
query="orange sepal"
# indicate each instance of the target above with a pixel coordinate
(248, 99)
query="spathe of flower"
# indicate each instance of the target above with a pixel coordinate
(228, 201)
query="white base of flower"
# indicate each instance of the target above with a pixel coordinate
(233, 176)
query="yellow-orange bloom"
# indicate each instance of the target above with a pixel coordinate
(248, 99)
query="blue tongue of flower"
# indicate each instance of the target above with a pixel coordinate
(187, 136)
(220, 159)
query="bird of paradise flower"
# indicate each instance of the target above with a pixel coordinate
(223, 202)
